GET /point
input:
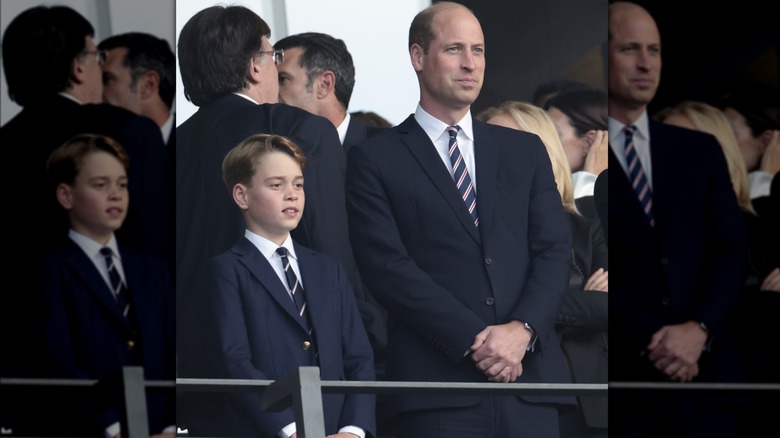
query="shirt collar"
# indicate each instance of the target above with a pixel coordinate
(268, 248)
(71, 97)
(247, 98)
(167, 127)
(343, 127)
(435, 128)
(91, 247)
(642, 125)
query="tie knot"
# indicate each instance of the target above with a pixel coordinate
(453, 131)
(106, 251)
(282, 251)
(630, 130)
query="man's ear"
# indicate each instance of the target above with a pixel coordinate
(255, 70)
(65, 196)
(326, 84)
(77, 71)
(149, 84)
(417, 55)
(240, 196)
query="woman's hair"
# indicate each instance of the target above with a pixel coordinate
(709, 119)
(535, 120)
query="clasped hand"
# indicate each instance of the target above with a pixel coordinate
(499, 349)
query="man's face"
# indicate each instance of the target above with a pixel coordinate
(117, 80)
(91, 73)
(452, 71)
(634, 58)
(293, 80)
(269, 82)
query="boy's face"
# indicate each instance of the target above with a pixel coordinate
(97, 201)
(273, 204)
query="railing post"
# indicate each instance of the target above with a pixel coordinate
(305, 388)
(134, 388)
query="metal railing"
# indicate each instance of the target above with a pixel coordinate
(303, 389)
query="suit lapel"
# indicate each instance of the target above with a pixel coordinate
(421, 147)
(486, 158)
(83, 268)
(313, 274)
(621, 192)
(261, 269)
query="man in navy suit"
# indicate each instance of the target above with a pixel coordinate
(472, 293)
(275, 305)
(94, 327)
(679, 249)
(228, 69)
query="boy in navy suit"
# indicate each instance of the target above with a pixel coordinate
(106, 306)
(273, 305)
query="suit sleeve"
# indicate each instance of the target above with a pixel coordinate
(227, 316)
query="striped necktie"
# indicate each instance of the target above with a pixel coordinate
(637, 175)
(461, 174)
(117, 286)
(296, 290)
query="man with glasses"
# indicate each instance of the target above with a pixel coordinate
(228, 69)
(53, 71)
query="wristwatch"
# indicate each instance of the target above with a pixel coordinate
(532, 342)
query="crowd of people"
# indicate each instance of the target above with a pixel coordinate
(275, 228)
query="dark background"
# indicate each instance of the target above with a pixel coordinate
(706, 48)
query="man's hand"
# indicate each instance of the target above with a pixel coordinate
(597, 158)
(772, 281)
(770, 161)
(599, 281)
(498, 350)
(675, 350)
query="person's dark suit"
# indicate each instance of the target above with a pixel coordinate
(358, 132)
(582, 321)
(690, 266)
(88, 338)
(441, 279)
(208, 222)
(258, 334)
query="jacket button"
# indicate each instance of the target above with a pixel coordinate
(488, 261)
(306, 345)
(489, 301)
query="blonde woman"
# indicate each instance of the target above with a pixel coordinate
(582, 321)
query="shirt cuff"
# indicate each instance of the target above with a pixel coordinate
(287, 431)
(112, 431)
(584, 184)
(760, 184)
(353, 430)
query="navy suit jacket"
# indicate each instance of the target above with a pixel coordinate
(442, 279)
(88, 338)
(258, 334)
(358, 132)
(690, 266)
(209, 222)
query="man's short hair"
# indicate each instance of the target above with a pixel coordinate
(146, 52)
(323, 52)
(215, 49)
(421, 30)
(39, 47)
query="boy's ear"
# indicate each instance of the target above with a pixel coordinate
(240, 196)
(65, 196)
